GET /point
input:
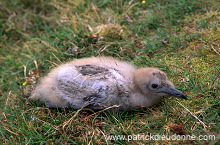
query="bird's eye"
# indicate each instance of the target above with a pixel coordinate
(154, 86)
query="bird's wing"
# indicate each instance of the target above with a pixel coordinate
(84, 85)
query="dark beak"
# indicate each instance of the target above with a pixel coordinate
(176, 93)
(172, 91)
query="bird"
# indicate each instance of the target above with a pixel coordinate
(101, 82)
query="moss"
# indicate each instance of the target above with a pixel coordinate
(202, 69)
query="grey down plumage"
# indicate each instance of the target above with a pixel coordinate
(101, 82)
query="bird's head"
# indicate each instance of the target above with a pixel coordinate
(154, 82)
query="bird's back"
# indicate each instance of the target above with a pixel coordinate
(97, 82)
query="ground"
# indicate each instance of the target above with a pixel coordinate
(182, 38)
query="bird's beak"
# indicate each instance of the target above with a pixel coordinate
(172, 91)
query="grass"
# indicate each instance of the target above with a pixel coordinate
(180, 37)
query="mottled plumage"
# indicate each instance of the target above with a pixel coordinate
(101, 82)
